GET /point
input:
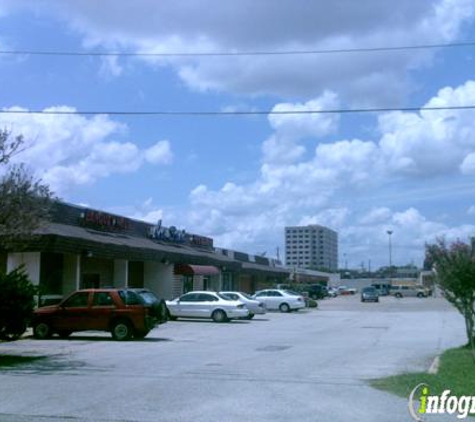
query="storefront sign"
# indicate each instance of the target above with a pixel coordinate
(173, 235)
(102, 220)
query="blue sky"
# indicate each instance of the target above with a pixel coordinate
(242, 179)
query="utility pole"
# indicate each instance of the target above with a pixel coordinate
(390, 232)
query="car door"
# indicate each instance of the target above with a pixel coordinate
(188, 305)
(265, 297)
(101, 311)
(74, 313)
(276, 299)
(206, 305)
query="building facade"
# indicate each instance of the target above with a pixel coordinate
(311, 246)
(86, 248)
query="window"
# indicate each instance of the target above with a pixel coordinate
(203, 297)
(78, 300)
(187, 283)
(129, 297)
(190, 297)
(102, 299)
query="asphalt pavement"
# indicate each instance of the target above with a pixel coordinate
(311, 365)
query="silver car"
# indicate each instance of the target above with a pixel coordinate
(283, 300)
(255, 307)
(206, 305)
(408, 291)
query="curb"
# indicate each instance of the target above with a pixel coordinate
(434, 367)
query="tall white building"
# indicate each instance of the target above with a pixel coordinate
(311, 246)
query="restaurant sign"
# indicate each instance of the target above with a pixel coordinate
(104, 221)
(173, 235)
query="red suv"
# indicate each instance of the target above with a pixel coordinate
(122, 312)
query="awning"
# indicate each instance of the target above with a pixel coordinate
(196, 269)
(64, 238)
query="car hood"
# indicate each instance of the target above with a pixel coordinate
(46, 309)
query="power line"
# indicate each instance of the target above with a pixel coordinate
(198, 113)
(242, 53)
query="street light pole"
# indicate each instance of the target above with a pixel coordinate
(390, 232)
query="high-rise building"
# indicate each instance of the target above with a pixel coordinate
(311, 246)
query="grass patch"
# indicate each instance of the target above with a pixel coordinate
(456, 373)
(8, 361)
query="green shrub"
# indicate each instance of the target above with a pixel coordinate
(17, 301)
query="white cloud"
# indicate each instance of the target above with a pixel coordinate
(471, 210)
(468, 164)
(295, 187)
(334, 218)
(376, 216)
(67, 150)
(160, 153)
(411, 230)
(247, 25)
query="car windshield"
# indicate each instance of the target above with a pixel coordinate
(148, 297)
(369, 290)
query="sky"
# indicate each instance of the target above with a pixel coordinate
(242, 179)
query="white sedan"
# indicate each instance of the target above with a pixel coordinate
(282, 300)
(255, 307)
(206, 305)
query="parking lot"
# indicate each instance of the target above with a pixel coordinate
(309, 366)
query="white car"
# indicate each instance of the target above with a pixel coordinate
(206, 305)
(255, 307)
(282, 300)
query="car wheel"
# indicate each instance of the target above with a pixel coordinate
(64, 334)
(284, 307)
(42, 330)
(420, 294)
(121, 330)
(170, 316)
(141, 334)
(398, 295)
(219, 316)
(250, 316)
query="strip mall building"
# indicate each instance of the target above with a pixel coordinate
(81, 248)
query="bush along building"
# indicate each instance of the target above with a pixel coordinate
(83, 248)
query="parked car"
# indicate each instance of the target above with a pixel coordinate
(314, 291)
(332, 292)
(205, 304)
(408, 291)
(381, 288)
(122, 312)
(282, 300)
(255, 307)
(317, 291)
(369, 294)
(343, 290)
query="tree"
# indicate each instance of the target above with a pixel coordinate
(25, 202)
(454, 266)
(16, 304)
